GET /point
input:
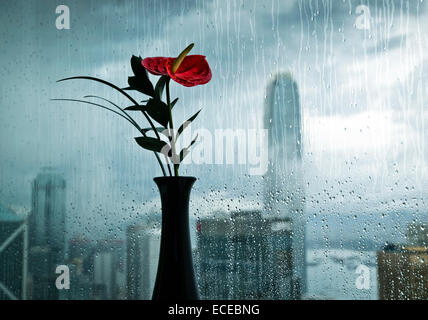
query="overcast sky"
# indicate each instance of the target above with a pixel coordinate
(363, 96)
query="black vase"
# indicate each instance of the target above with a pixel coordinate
(175, 279)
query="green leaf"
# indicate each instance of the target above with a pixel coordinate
(187, 123)
(135, 108)
(158, 111)
(160, 85)
(185, 151)
(173, 103)
(151, 144)
(137, 66)
(161, 130)
(141, 85)
(140, 81)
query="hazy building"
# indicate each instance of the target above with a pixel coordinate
(143, 245)
(13, 255)
(403, 273)
(43, 261)
(79, 261)
(244, 255)
(47, 233)
(47, 219)
(284, 191)
(79, 247)
(105, 280)
(417, 234)
(107, 266)
(81, 284)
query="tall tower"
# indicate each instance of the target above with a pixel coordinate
(47, 233)
(283, 181)
(143, 245)
(47, 221)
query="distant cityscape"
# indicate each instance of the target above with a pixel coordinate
(239, 255)
(258, 253)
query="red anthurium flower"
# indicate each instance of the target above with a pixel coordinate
(155, 65)
(192, 71)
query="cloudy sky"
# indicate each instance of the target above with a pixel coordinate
(363, 96)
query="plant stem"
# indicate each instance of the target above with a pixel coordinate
(171, 127)
(167, 163)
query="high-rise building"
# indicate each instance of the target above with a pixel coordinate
(81, 284)
(79, 260)
(42, 263)
(105, 275)
(79, 247)
(403, 273)
(403, 269)
(108, 266)
(417, 234)
(47, 220)
(143, 245)
(47, 233)
(284, 191)
(244, 255)
(13, 255)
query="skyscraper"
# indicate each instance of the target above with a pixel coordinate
(79, 260)
(108, 261)
(47, 233)
(284, 190)
(143, 245)
(13, 255)
(403, 273)
(244, 255)
(105, 272)
(403, 269)
(417, 234)
(47, 220)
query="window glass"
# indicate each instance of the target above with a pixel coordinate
(311, 162)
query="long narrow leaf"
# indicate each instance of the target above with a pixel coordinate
(158, 129)
(174, 102)
(115, 105)
(136, 108)
(97, 105)
(185, 151)
(187, 123)
(111, 85)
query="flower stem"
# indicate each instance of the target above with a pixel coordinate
(171, 127)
